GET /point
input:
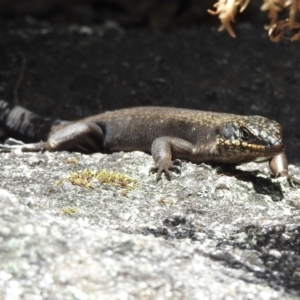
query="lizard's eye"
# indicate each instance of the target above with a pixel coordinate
(245, 134)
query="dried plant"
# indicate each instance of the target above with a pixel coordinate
(278, 29)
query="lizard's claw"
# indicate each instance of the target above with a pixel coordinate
(11, 142)
(6, 148)
(293, 181)
(166, 167)
(21, 148)
(11, 145)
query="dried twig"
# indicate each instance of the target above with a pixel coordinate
(281, 30)
(226, 10)
(278, 29)
(20, 78)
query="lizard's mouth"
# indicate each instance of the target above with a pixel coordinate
(274, 149)
(268, 149)
(277, 147)
(271, 151)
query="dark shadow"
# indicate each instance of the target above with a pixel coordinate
(281, 270)
(261, 185)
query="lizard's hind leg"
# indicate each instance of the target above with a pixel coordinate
(81, 136)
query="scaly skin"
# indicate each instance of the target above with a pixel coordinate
(168, 133)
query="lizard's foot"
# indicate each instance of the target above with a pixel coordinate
(11, 141)
(166, 167)
(294, 182)
(36, 147)
(7, 148)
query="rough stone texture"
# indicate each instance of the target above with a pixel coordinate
(210, 233)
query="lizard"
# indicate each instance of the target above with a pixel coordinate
(169, 134)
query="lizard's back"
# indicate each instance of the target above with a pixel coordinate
(137, 127)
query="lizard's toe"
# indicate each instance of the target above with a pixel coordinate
(294, 182)
(21, 148)
(177, 162)
(5, 148)
(166, 167)
(153, 170)
(159, 172)
(175, 169)
(13, 142)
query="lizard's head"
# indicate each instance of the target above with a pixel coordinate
(252, 138)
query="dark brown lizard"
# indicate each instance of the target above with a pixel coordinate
(167, 133)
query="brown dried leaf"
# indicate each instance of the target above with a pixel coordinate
(281, 30)
(274, 7)
(295, 37)
(277, 30)
(293, 12)
(226, 10)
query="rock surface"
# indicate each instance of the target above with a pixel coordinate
(210, 233)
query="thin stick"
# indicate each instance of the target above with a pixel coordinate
(20, 78)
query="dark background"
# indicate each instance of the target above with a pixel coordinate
(69, 59)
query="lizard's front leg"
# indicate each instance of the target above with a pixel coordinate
(165, 148)
(279, 166)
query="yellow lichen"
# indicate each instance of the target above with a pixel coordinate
(72, 161)
(69, 210)
(58, 182)
(86, 177)
(165, 202)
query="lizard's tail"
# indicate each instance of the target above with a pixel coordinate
(23, 124)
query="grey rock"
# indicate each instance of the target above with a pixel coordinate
(203, 235)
